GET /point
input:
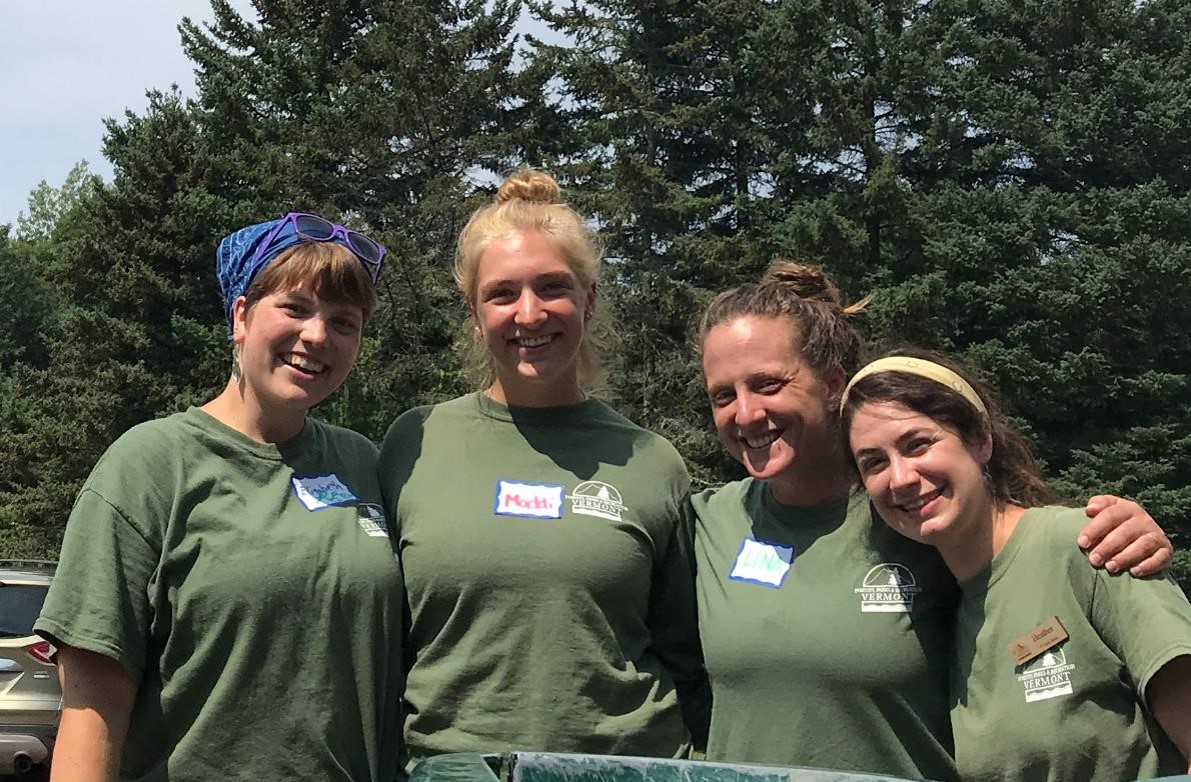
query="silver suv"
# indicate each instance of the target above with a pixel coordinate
(30, 699)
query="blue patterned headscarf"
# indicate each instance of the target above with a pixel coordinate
(233, 259)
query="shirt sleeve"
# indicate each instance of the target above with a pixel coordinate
(1145, 621)
(398, 453)
(673, 624)
(99, 597)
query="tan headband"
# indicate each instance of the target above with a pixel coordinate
(923, 368)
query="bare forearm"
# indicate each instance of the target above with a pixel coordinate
(1169, 696)
(97, 698)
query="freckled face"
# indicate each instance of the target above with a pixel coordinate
(531, 310)
(923, 478)
(773, 412)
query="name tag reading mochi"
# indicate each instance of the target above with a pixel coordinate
(534, 500)
(321, 491)
(762, 563)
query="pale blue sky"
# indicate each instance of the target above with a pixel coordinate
(65, 65)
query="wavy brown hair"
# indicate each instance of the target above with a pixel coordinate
(1013, 473)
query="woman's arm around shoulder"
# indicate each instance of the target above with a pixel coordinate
(97, 698)
(1122, 536)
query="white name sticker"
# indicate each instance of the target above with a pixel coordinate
(762, 563)
(317, 492)
(535, 500)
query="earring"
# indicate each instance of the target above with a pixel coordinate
(236, 373)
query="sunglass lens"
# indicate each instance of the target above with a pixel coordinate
(366, 248)
(314, 227)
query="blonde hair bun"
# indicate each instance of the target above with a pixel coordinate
(530, 185)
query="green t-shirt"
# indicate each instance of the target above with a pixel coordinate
(1073, 713)
(826, 636)
(547, 561)
(250, 590)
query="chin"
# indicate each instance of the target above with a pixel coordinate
(772, 467)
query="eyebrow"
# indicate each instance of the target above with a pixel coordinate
(544, 277)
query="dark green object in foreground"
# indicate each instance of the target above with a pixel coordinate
(557, 767)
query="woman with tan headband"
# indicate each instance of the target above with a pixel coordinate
(827, 637)
(545, 539)
(1060, 672)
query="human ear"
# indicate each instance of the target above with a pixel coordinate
(589, 307)
(239, 319)
(835, 380)
(985, 449)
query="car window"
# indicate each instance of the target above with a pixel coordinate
(19, 606)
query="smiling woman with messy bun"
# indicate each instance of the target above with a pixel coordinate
(545, 539)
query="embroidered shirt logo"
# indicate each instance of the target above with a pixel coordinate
(1045, 677)
(317, 492)
(372, 520)
(596, 498)
(534, 500)
(762, 563)
(888, 588)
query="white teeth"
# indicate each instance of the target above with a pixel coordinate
(533, 342)
(304, 363)
(918, 503)
(763, 440)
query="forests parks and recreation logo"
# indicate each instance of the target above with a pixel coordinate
(1047, 676)
(371, 518)
(596, 498)
(888, 588)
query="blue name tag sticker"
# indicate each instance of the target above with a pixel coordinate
(531, 500)
(317, 492)
(762, 563)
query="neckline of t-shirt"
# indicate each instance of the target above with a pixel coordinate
(532, 416)
(822, 514)
(996, 569)
(274, 452)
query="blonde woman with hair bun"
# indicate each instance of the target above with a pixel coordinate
(827, 637)
(545, 539)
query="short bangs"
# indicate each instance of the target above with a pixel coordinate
(326, 269)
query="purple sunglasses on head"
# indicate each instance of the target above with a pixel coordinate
(370, 252)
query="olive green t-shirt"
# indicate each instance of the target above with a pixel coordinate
(252, 593)
(547, 563)
(1074, 712)
(826, 635)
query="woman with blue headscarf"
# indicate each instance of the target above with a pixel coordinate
(218, 562)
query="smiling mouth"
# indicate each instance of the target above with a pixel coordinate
(534, 342)
(761, 440)
(303, 364)
(920, 501)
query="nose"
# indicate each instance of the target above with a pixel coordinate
(748, 409)
(902, 474)
(529, 309)
(314, 331)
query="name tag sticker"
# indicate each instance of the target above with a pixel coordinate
(531, 500)
(1045, 636)
(762, 563)
(317, 492)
